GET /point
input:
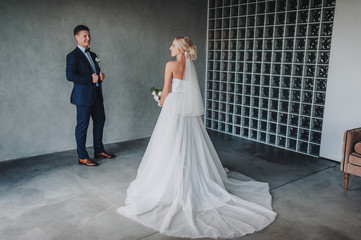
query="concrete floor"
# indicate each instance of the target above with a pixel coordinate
(52, 197)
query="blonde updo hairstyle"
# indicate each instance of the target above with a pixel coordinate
(186, 46)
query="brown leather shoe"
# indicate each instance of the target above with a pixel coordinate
(104, 155)
(87, 162)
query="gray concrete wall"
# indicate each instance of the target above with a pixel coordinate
(130, 37)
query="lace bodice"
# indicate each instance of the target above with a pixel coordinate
(177, 85)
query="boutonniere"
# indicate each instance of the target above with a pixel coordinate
(97, 59)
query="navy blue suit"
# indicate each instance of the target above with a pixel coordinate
(88, 99)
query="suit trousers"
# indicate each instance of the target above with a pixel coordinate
(96, 111)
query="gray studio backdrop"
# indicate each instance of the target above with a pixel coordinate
(131, 39)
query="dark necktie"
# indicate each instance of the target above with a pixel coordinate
(87, 52)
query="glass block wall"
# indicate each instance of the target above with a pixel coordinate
(267, 70)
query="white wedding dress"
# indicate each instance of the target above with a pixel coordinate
(181, 188)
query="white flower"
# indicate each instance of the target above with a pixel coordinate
(157, 94)
(97, 59)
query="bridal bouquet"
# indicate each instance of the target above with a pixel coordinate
(156, 94)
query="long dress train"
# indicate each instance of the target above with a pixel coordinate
(182, 189)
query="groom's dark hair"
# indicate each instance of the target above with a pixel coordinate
(79, 28)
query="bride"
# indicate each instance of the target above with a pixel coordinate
(181, 188)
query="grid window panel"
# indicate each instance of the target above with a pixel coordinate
(267, 70)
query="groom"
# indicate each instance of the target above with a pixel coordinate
(82, 69)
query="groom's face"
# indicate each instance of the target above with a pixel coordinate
(83, 38)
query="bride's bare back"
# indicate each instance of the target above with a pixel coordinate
(177, 68)
(173, 69)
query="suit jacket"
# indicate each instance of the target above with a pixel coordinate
(79, 71)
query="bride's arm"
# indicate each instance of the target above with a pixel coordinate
(168, 75)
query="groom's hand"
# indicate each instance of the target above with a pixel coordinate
(102, 76)
(95, 77)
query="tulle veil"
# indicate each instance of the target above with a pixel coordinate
(192, 98)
